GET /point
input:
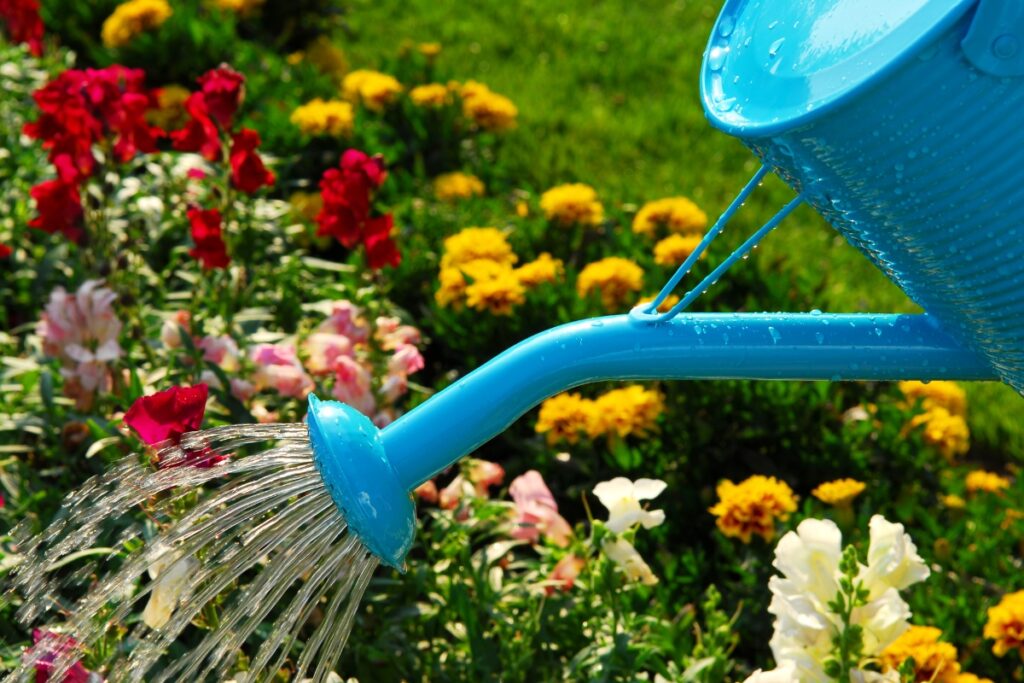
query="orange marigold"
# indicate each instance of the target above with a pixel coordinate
(934, 661)
(753, 506)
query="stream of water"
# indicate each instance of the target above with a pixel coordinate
(253, 542)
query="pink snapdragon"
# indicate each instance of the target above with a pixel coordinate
(391, 333)
(474, 481)
(81, 329)
(324, 350)
(222, 351)
(170, 332)
(50, 650)
(346, 319)
(352, 385)
(405, 360)
(537, 511)
(278, 368)
(563, 576)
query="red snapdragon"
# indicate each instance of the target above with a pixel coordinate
(50, 649)
(23, 23)
(223, 90)
(166, 416)
(248, 173)
(206, 233)
(60, 209)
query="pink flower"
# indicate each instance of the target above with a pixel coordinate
(352, 385)
(49, 648)
(538, 511)
(222, 351)
(81, 329)
(394, 387)
(346, 319)
(242, 389)
(323, 349)
(405, 361)
(565, 573)
(170, 332)
(279, 369)
(392, 334)
(475, 480)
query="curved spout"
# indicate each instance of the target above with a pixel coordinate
(803, 346)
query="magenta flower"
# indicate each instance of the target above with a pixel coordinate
(537, 511)
(49, 648)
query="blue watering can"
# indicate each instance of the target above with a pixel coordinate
(900, 121)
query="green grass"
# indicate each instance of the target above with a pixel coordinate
(608, 95)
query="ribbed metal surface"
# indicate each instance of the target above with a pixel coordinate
(925, 174)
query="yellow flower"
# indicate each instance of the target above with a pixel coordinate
(678, 214)
(625, 411)
(486, 108)
(492, 286)
(953, 501)
(372, 89)
(938, 394)
(571, 204)
(451, 186)
(934, 661)
(617, 279)
(169, 113)
(1005, 624)
(306, 204)
(943, 430)
(674, 249)
(971, 678)
(989, 482)
(326, 57)
(752, 507)
(324, 117)
(542, 269)
(429, 50)
(839, 492)
(564, 417)
(430, 95)
(132, 18)
(497, 294)
(242, 7)
(666, 305)
(472, 244)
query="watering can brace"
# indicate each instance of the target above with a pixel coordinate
(900, 122)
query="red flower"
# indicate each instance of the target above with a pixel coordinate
(223, 89)
(166, 415)
(49, 647)
(23, 23)
(5, 251)
(347, 193)
(200, 133)
(248, 173)
(60, 209)
(206, 233)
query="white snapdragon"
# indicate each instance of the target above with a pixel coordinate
(171, 574)
(622, 498)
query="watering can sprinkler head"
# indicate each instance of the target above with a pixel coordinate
(349, 453)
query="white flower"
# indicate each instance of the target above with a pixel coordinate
(809, 557)
(892, 559)
(890, 676)
(171, 575)
(622, 498)
(783, 674)
(884, 619)
(623, 554)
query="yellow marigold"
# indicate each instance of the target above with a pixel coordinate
(1005, 624)
(455, 281)
(934, 661)
(324, 117)
(946, 432)
(625, 411)
(242, 7)
(674, 249)
(169, 112)
(953, 501)
(373, 89)
(132, 18)
(617, 279)
(564, 417)
(678, 214)
(472, 244)
(839, 492)
(941, 394)
(752, 507)
(429, 50)
(430, 95)
(544, 268)
(971, 678)
(486, 108)
(451, 186)
(670, 301)
(571, 204)
(989, 482)
(499, 294)
(306, 204)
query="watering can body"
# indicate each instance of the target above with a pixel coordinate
(899, 121)
(902, 124)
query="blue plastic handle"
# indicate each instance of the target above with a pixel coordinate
(995, 41)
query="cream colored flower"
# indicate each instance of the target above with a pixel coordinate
(171, 576)
(892, 559)
(784, 674)
(624, 555)
(622, 498)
